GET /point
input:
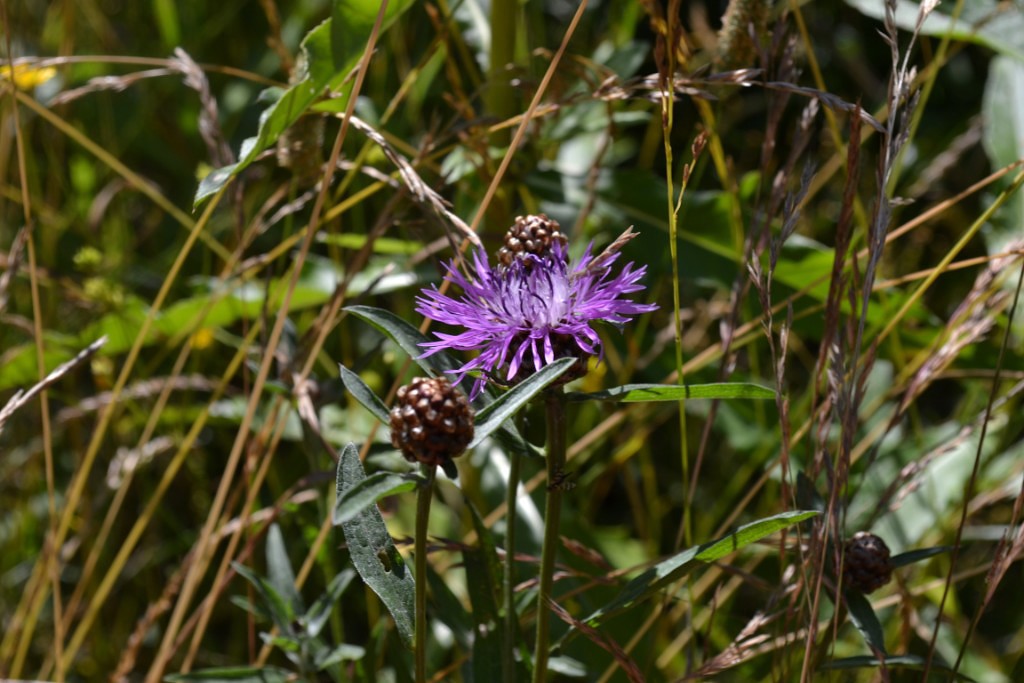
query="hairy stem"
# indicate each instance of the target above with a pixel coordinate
(552, 508)
(422, 517)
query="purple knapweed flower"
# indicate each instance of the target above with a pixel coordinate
(532, 312)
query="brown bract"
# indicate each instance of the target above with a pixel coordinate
(432, 421)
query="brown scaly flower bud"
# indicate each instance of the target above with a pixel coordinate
(432, 421)
(535, 235)
(866, 567)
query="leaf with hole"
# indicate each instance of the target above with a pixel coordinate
(374, 554)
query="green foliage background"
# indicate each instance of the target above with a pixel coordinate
(130, 468)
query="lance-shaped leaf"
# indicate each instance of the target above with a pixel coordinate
(667, 571)
(364, 394)
(493, 416)
(374, 554)
(865, 619)
(279, 570)
(911, 556)
(353, 501)
(406, 336)
(913, 662)
(331, 51)
(316, 618)
(642, 393)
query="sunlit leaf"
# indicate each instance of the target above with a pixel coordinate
(642, 393)
(493, 416)
(332, 50)
(364, 394)
(1004, 139)
(379, 485)
(374, 554)
(667, 571)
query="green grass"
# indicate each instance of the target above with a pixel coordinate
(833, 242)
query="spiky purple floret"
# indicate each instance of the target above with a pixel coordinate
(511, 315)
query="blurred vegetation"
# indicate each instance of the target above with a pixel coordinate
(202, 437)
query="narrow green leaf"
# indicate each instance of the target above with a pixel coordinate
(254, 609)
(913, 662)
(1003, 138)
(374, 553)
(331, 50)
(975, 23)
(378, 485)
(279, 570)
(280, 609)
(493, 416)
(641, 393)
(364, 394)
(234, 674)
(865, 619)
(667, 571)
(449, 609)
(318, 613)
(342, 653)
(903, 559)
(406, 336)
(483, 581)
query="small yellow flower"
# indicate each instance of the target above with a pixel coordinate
(26, 76)
(202, 338)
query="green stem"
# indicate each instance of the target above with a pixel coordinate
(552, 509)
(422, 518)
(499, 93)
(509, 586)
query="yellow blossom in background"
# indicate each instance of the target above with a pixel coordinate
(202, 338)
(26, 76)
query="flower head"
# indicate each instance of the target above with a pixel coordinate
(535, 310)
(432, 422)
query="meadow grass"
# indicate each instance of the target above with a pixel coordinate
(828, 208)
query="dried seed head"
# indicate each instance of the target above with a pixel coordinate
(867, 567)
(432, 421)
(535, 235)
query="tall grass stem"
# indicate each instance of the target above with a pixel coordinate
(509, 579)
(556, 427)
(422, 519)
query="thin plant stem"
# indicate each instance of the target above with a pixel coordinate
(422, 518)
(500, 95)
(509, 579)
(556, 426)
